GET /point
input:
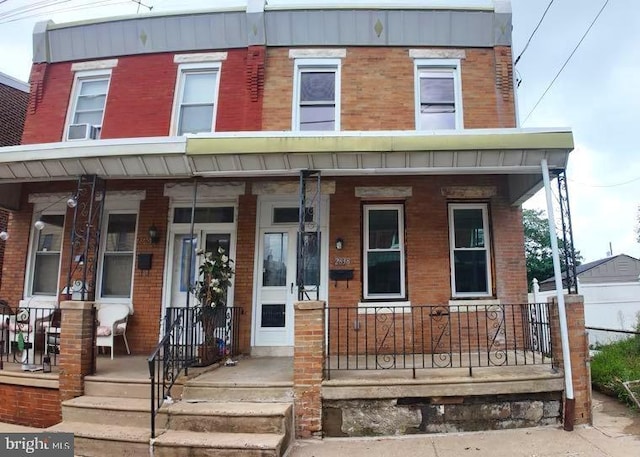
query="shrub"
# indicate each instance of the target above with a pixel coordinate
(616, 363)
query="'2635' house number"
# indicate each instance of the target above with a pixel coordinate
(342, 261)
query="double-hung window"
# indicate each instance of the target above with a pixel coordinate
(117, 260)
(88, 105)
(438, 95)
(46, 257)
(470, 254)
(196, 98)
(384, 265)
(316, 95)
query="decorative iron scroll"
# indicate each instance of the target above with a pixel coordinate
(496, 335)
(384, 324)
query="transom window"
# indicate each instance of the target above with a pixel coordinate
(317, 95)
(117, 263)
(438, 96)
(384, 270)
(197, 99)
(89, 102)
(204, 215)
(48, 244)
(470, 256)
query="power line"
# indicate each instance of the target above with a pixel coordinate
(566, 61)
(606, 185)
(533, 33)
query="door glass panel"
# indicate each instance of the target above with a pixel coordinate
(210, 215)
(273, 316)
(214, 241)
(274, 269)
(184, 264)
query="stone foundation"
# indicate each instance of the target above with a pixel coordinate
(405, 416)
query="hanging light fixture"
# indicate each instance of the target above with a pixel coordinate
(4, 236)
(39, 224)
(72, 202)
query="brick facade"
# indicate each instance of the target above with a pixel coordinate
(13, 109)
(377, 89)
(30, 406)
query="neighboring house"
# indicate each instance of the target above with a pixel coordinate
(611, 290)
(14, 96)
(367, 157)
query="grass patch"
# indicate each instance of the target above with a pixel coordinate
(614, 364)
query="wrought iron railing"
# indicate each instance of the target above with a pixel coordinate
(29, 336)
(191, 338)
(439, 336)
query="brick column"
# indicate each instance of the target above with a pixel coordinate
(76, 347)
(308, 367)
(579, 353)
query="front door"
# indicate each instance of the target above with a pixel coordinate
(276, 270)
(276, 284)
(183, 243)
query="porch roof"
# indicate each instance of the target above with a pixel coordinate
(514, 152)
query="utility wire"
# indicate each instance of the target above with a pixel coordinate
(606, 185)
(566, 61)
(32, 10)
(533, 33)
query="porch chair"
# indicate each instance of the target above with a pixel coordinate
(112, 322)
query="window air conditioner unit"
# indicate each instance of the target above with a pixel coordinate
(82, 132)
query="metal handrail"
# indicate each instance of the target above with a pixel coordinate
(192, 338)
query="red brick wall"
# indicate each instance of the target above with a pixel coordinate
(382, 97)
(29, 406)
(13, 107)
(427, 238)
(141, 94)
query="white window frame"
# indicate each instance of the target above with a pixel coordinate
(79, 78)
(438, 65)
(365, 243)
(487, 247)
(183, 69)
(59, 210)
(118, 204)
(309, 66)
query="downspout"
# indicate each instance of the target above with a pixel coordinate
(570, 404)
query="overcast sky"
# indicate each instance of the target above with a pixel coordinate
(597, 94)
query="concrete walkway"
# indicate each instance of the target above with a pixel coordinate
(615, 433)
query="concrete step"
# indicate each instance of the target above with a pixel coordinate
(99, 386)
(99, 440)
(229, 417)
(233, 392)
(195, 444)
(133, 412)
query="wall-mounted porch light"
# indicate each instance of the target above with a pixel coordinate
(339, 244)
(154, 235)
(4, 236)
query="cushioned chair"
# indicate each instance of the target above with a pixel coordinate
(112, 322)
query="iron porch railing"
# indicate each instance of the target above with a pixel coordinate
(190, 339)
(29, 336)
(437, 336)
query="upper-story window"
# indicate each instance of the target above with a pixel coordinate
(469, 250)
(196, 98)
(88, 105)
(316, 100)
(438, 94)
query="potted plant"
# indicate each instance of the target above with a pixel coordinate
(210, 290)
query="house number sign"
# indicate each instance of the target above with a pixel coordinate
(342, 261)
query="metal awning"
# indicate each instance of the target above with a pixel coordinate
(514, 152)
